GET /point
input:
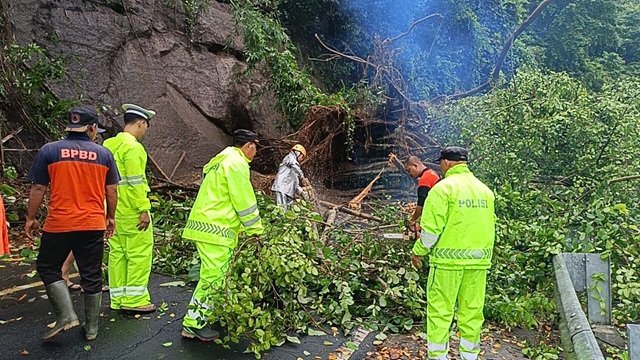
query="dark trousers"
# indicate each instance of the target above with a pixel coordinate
(87, 247)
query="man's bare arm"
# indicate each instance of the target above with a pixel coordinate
(417, 213)
(36, 196)
(112, 200)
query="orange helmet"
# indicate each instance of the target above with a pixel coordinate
(300, 148)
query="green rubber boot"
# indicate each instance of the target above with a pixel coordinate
(60, 298)
(92, 314)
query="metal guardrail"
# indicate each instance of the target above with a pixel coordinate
(577, 337)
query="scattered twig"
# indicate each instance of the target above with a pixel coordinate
(345, 209)
(20, 150)
(369, 229)
(609, 182)
(389, 41)
(624, 178)
(173, 172)
(331, 219)
(8, 137)
(350, 57)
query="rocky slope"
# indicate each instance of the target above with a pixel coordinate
(136, 51)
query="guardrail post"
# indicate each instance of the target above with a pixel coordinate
(589, 273)
(633, 333)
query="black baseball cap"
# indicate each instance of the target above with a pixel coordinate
(244, 136)
(453, 153)
(80, 118)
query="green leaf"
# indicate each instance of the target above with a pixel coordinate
(7, 190)
(293, 339)
(167, 344)
(194, 273)
(351, 346)
(87, 347)
(381, 336)
(313, 332)
(383, 301)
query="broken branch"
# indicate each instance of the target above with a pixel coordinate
(346, 210)
(415, 23)
(501, 58)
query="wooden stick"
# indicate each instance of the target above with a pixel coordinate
(345, 209)
(331, 219)
(625, 178)
(173, 185)
(153, 161)
(382, 227)
(173, 172)
(355, 203)
(350, 57)
(8, 137)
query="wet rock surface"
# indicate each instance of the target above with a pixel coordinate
(136, 51)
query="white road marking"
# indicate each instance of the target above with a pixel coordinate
(344, 353)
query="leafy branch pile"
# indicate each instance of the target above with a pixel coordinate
(279, 284)
(287, 282)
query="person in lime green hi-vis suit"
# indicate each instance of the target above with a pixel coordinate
(131, 247)
(458, 233)
(225, 205)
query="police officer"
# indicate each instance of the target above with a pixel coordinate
(131, 247)
(458, 232)
(80, 174)
(287, 182)
(225, 205)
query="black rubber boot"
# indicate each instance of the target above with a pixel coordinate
(204, 334)
(60, 298)
(92, 315)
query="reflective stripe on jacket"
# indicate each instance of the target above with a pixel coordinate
(226, 203)
(458, 222)
(289, 175)
(131, 160)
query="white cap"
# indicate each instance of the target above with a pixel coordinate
(138, 110)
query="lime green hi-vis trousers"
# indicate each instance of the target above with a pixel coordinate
(445, 286)
(130, 257)
(214, 263)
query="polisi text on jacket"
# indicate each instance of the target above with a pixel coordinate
(473, 203)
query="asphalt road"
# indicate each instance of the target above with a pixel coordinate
(24, 315)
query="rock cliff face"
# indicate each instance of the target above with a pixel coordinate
(136, 51)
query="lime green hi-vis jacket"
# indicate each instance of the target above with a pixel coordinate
(131, 159)
(226, 203)
(458, 222)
